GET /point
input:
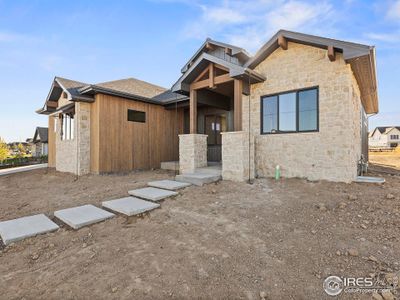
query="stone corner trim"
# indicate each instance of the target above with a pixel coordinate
(192, 152)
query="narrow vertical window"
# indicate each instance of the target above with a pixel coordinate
(72, 127)
(287, 112)
(270, 114)
(308, 110)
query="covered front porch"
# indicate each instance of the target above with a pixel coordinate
(213, 119)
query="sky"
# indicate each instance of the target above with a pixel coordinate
(97, 41)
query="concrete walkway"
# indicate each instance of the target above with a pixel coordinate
(22, 169)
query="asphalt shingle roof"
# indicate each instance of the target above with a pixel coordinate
(133, 86)
(41, 134)
(383, 129)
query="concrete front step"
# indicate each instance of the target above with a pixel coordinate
(152, 194)
(198, 178)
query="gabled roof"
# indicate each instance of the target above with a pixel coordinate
(385, 129)
(360, 57)
(71, 87)
(41, 135)
(197, 66)
(129, 88)
(234, 51)
(133, 86)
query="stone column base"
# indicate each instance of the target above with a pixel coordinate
(192, 152)
(237, 160)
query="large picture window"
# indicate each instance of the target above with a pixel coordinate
(295, 111)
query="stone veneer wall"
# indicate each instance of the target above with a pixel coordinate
(73, 156)
(331, 153)
(65, 151)
(236, 154)
(83, 137)
(192, 152)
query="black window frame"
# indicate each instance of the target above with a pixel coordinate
(136, 111)
(297, 91)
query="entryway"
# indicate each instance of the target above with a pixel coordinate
(214, 124)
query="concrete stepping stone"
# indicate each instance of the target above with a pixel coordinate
(198, 178)
(21, 228)
(152, 194)
(81, 216)
(171, 185)
(130, 206)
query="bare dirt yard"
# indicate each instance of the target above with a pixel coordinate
(221, 241)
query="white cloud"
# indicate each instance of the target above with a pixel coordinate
(394, 11)
(251, 23)
(223, 15)
(294, 14)
(392, 37)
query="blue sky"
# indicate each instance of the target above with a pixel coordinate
(95, 41)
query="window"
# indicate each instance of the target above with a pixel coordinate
(394, 137)
(136, 116)
(290, 112)
(67, 127)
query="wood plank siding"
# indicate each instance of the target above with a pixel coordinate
(119, 145)
(52, 144)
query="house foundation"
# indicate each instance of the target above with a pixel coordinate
(192, 152)
(237, 156)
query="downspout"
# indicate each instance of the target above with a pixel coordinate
(76, 135)
(249, 136)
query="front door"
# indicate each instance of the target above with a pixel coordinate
(213, 126)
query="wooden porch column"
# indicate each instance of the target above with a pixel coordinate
(193, 111)
(237, 105)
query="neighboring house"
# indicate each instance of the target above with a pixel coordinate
(385, 137)
(301, 102)
(40, 142)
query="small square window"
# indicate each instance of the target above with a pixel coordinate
(136, 116)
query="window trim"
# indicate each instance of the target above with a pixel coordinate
(297, 91)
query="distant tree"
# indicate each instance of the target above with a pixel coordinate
(21, 148)
(3, 149)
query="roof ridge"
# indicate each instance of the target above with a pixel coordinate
(131, 78)
(63, 78)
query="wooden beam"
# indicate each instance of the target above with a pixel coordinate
(331, 53)
(51, 103)
(205, 83)
(209, 47)
(202, 74)
(282, 42)
(237, 105)
(228, 51)
(193, 111)
(211, 75)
